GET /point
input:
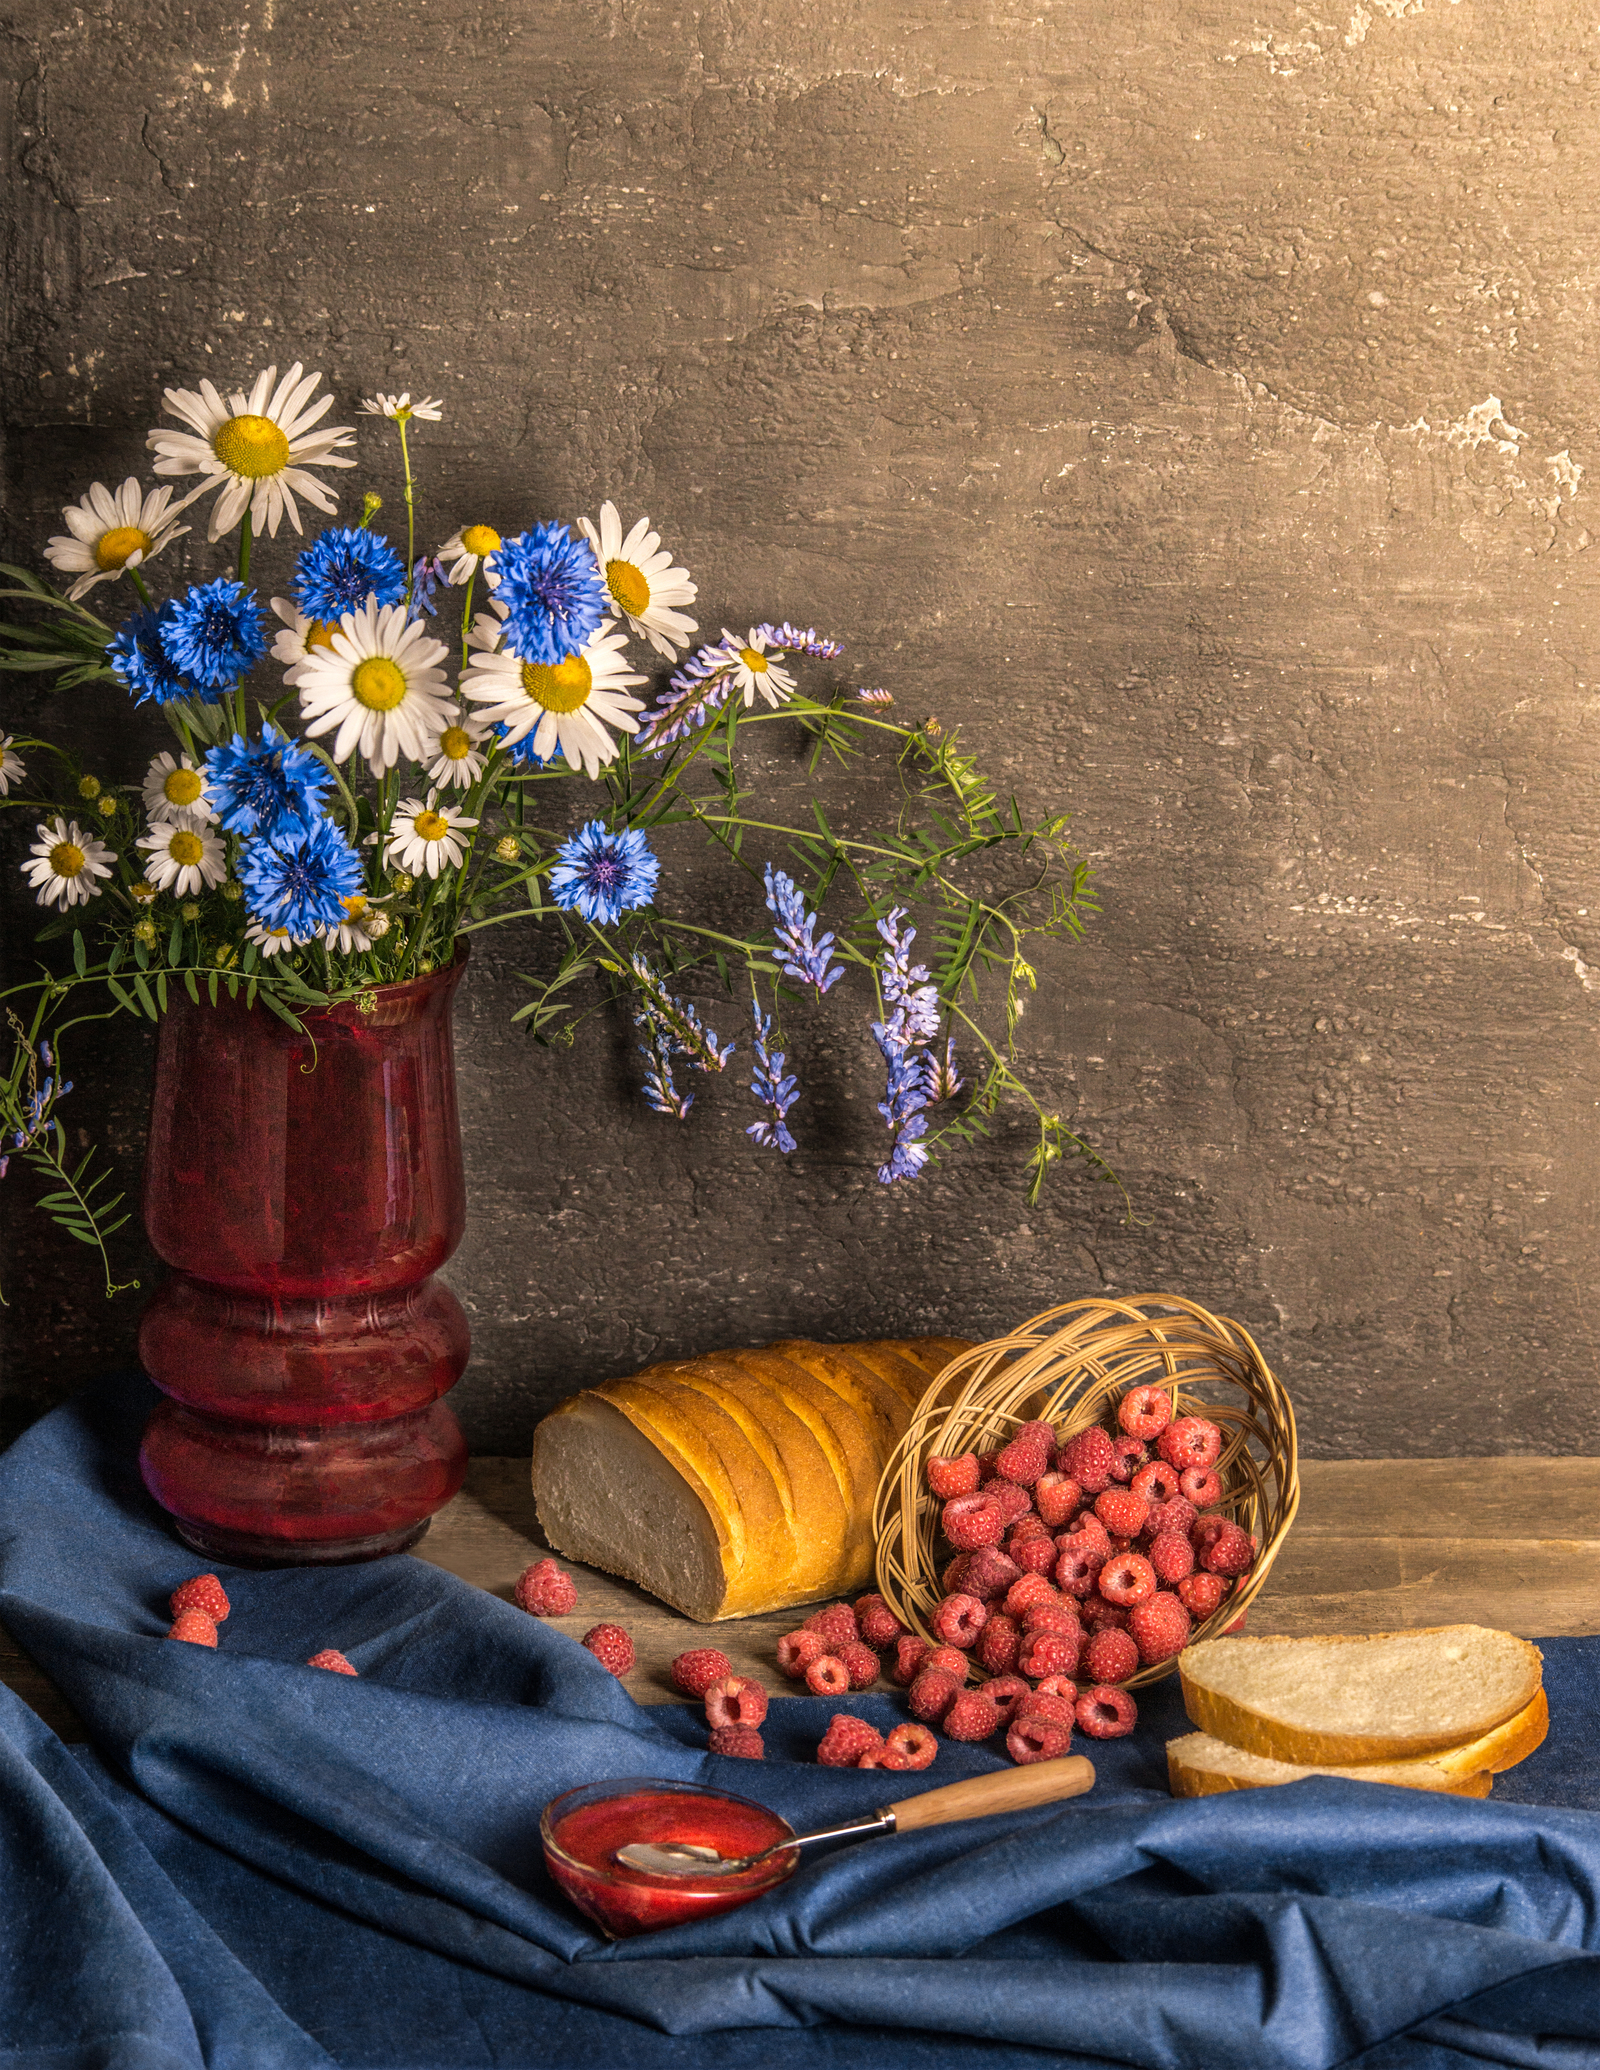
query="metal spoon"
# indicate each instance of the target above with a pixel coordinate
(1015, 1789)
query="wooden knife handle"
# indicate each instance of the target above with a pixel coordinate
(1013, 1789)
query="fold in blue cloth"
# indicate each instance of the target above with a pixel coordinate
(260, 1863)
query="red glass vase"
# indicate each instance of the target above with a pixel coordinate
(304, 1187)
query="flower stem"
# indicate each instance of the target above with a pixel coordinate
(244, 548)
(138, 582)
(411, 511)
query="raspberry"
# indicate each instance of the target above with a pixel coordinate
(1032, 1738)
(1171, 1558)
(1107, 1713)
(205, 1593)
(1030, 1589)
(1088, 1458)
(335, 1662)
(695, 1672)
(1011, 1501)
(740, 1742)
(972, 1716)
(1056, 1497)
(997, 1646)
(879, 1625)
(1130, 1456)
(1087, 1530)
(545, 1590)
(953, 1579)
(1144, 1412)
(1027, 1456)
(1230, 1552)
(955, 1476)
(860, 1663)
(1101, 1616)
(195, 1626)
(932, 1694)
(835, 1626)
(1204, 1534)
(1121, 1545)
(990, 1574)
(909, 1746)
(1191, 1441)
(796, 1652)
(1059, 1616)
(950, 1658)
(1156, 1482)
(1122, 1512)
(1126, 1579)
(909, 1655)
(1237, 1624)
(959, 1619)
(1160, 1627)
(1176, 1515)
(972, 1520)
(611, 1646)
(1024, 1529)
(1035, 1555)
(1058, 1709)
(1110, 1656)
(1202, 1594)
(846, 1740)
(1076, 1569)
(1006, 1692)
(1057, 1685)
(987, 1467)
(1201, 1485)
(828, 1676)
(1048, 1653)
(735, 1700)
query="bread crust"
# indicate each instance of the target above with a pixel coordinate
(1194, 1778)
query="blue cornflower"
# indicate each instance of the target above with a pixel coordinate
(603, 874)
(300, 877)
(268, 786)
(426, 576)
(139, 655)
(549, 582)
(215, 634)
(807, 960)
(342, 569)
(770, 1087)
(659, 1090)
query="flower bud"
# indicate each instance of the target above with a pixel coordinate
(88, 786)
(232, 890)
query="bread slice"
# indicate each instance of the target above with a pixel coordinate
(1200, 1766)
(1347, 1701)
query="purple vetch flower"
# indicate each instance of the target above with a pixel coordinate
(903, 1037)
(944, 1079)
(771, 1087)
(659, 1089)
(807, 960)
(880, 700)
(426, 577)
(811, 642)
(672, 1022)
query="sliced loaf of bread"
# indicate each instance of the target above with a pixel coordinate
(1200, 1766)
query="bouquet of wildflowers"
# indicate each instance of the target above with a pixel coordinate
(412, 748)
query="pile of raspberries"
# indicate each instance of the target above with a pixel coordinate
(200, 1604)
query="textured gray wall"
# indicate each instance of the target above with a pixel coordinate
(1191, 403)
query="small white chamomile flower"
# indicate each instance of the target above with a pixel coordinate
(108, 531)
(402, 407)
(641, 580)
(457, 762)
(466, 550)
(380, 685)
(753, 673)
(425, 837)
(173, 788)
(65, 861)
(563, 707)
(12, 767)
(256, 448)
(363, 924)
(301, 639)
(183, 856)
(273, 941)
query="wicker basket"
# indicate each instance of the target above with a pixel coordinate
(1070, 1366)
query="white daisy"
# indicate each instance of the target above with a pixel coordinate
(174, 789)
(458, 764)
(423, 836)
(563, 708)
(66, 861)
(363, 925)
(272, 941)
(256, 448)
(12, 769)
(183, 856)
(300, 639)
(380, 684)
(753, 673)
(403, 407)
(643, 583)
(467, 549)
(108, 532)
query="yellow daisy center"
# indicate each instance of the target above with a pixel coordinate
(186, 848)
(455, 743)
(355, 905)
(629, 587)
(143, 891)
(378, 684)
(756, 663)
(251, 447)
(114, 549)
(182, 787)
(432, 826)
(561, 687)
(319, 633)
(479, 539)
(67, 859)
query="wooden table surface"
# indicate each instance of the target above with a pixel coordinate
(1379, 1545)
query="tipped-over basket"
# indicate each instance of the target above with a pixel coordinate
(1070, 1367)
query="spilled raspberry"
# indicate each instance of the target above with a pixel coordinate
(205, 1593)
(1048, 1653)
(1106, 1713)
(334, 1662)
(1006, 1692)
(796, 1652)
(909, 1747)
(1101, 1616)
(950, 1658)
(695, 1671)
(195, 1627)
(834, 1626)
(1025, 1591)
(846, 1740)
(739, 1742)
(611, 1646)
(932, 1694)
(997, 1646)
(953, 1579)
(1061, 1615)
(545, 1590)
(1057, 1685)
(910, 1655)
(959, 1619)
(828, 1676)
(735, 1700)
(971, 1717)
(879, 1626)
(860, 1663)
(1031, 1738)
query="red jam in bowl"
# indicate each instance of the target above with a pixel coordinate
(582, 1831)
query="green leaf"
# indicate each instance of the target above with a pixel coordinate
(145, 999)
(80, 955)
(175, 944)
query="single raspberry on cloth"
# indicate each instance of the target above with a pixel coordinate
(1006, 1692)
(959, 1619)
(796, 1652)
(827, 1675)
(1230, 1552)
(1121, 1512)
(334, 1662)
(1202, 1595)
(1048, 1653)
(932, 1694)
(953, 1476)
(1156, 1482)
(972, 1717)
(1088, 1458)
(909, 1747)
(205, 1593)
(846, 1740)
(1106, 1713)
(611, 1646)
(950, 1658)
(910, 1656)
(988, 1573)
(1144, 1412)
(1191, 1441)
(971, 1521)
(1057, 1498)
(545, 1590)
(879, 1626)
(695, 1671)
(859, 1662)
(735, 1700)
(1127, 1579)
(1059, 1710)
(1160, 1627)
(836, 1625)
(195, 1627)
(1027, 1456)
(1027, 1590)
(1171, 1556)
(1110, 1656)
(1030, 1738)
(997, 1646)
(1201, 1485)
(741, 1742)
(1131, 1454)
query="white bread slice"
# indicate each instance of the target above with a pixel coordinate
(1348, 1701)
(1200, 1766)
